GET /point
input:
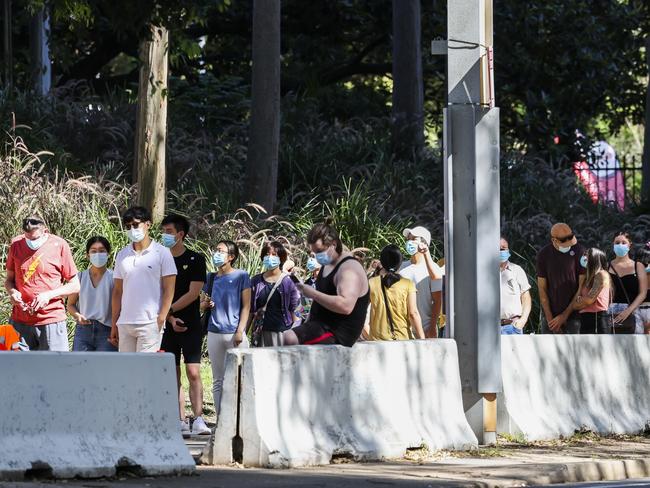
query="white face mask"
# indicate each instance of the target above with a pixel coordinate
(34, 244)
(135, 235)
(98, 259)
(564, 250)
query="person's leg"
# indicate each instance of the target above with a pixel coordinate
(588, 322)
(510, 330)
(28, 332)
(128, 338)
(544, 329)
(102, 334)
(54, 337)
(271, 339)
(218, 344)
(573, 325)
(289, 337)
(193, 372)
(149, 337)
(83, 338)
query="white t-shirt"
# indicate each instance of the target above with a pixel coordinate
(424, 285)
(514, 283)
(141, 274)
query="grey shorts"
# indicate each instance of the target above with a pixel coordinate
(50, 337)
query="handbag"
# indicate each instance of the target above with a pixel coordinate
(628, 326)
(258, 318)
(205, 316)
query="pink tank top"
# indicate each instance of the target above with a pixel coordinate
(602, 300)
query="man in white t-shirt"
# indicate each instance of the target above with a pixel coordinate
(515, 294)
(426, 275)
(145, 276)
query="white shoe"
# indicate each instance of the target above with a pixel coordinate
(199, 427)
(185, 427)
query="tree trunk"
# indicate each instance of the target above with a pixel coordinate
(645, 174)
(151, 122)
(40, 52)
(264, 141)
(408, 90)
(7, 60)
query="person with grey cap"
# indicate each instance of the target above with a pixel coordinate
(427, 276)
(40, 274)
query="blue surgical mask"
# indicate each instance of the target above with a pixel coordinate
(564, 250)
(219, 259)
(621, 250)
(647, 269)
(98, 259)
(323, 258)
(411, 247)
(271, 262)
(169, 240)
(312, 264)
(504, 255)
(34, 244)
(583, 261)
(135, 235)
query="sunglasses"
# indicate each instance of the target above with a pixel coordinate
(28, 223)
(132, 225)
(565, 239)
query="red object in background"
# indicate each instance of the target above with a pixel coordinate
(601, 185)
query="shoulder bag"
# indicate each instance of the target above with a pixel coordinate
(205, 317)
(258, 318)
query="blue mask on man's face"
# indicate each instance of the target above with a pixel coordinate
(411, 247)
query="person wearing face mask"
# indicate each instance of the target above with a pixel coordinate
(313, 268)
(630, 284)
(40, 272)
(91, 307)
(341, 297)
(228, 294)
(559, 279)
(427, 276)
(643, 256)
(593, 300)
(144, 279)
(183, 334)
(274, 296)
(515, 293)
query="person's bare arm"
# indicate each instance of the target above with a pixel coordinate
(526, 306)
(243, 317)
(414, 315)
(349, 288)
(46, 297)
(116, 308)
(15, 297)
(168, 283)
(640, 298)
(580, 301)
(543, 299)
(365, 333)
(74, 311)
(188, 298)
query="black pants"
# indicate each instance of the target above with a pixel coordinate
(572, 325)
(595, 323)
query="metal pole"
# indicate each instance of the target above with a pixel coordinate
(472, 218)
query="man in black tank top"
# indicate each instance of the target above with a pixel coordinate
(341, 297)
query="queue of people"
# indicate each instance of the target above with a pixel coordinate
(159, 296)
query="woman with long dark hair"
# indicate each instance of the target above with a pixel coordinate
(629, 283)
(644, 309)
(593, 299)
(393, 307)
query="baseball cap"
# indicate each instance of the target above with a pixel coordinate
(419, 231)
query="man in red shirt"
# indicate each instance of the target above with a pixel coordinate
(40, 273)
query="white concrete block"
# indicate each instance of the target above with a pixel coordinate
(302, 404)
(83, 414)
(556, 384)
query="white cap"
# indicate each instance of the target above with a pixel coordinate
(419, 231)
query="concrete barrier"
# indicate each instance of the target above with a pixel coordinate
(556, 384)
(302, 405)
(86, 415)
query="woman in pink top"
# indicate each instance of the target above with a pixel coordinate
(594, 297)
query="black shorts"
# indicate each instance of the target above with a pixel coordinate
(312, 332)
(188, 343)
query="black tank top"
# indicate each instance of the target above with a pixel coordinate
(346, 328)
(628, 283)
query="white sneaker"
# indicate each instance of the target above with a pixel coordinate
(199, 427)
(185, 427)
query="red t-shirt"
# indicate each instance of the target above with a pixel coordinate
(45, 269)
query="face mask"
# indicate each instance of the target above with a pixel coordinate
(135, 235)
(323, 258)
(34, 244)
(504, 255)
(219, 259)
(564, 250)
(411, 247)
(271, 262)
(169, 240)
(583, 261)
(312, 264)
(621, 250)
(647, 270)
(98, 259)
